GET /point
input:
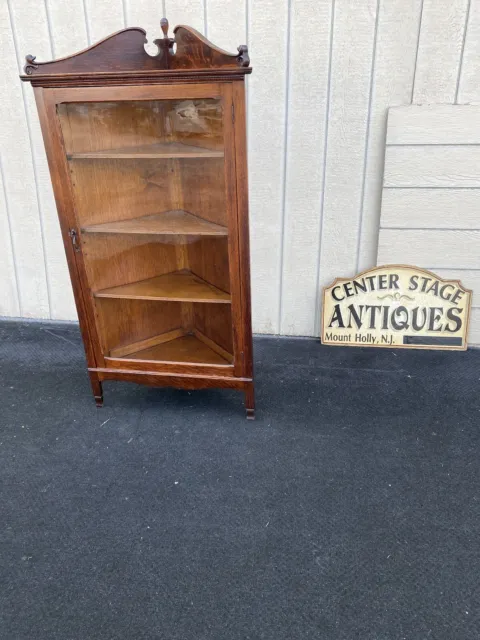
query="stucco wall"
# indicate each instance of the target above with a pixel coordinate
(325, 72)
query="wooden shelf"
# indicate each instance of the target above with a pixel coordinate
(167, 223)
(185, 348)
(157, 150)
(177, 286)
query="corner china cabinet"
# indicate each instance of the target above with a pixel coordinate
(147, 156)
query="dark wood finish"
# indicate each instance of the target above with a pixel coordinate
(147, 156)
(182, 381)
(122, 57)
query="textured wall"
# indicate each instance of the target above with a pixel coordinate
(325, 72)
(431, 195)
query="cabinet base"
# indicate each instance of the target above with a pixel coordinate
(96, 388)
(180, 381)
(250, 400)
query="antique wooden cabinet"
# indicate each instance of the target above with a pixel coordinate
(147, 156)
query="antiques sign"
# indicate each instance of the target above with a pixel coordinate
(396, 306)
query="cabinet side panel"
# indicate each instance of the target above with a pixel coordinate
(240, 135)
(65, 207)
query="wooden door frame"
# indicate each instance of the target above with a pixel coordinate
(232, 95)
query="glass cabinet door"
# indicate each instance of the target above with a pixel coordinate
(150, 200)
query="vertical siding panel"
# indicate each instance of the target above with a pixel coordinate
(469, 84)
(439, 51)
(104, 17)
(64, 41)
(9, 305)
(189, 12)
(147, 15)
(353, 39)
(227, 23)
(19, 178)
(266, 130)
(62, 305)
(67, 27)
(393, 73)
(310, 22)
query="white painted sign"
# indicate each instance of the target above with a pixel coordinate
(396, 306)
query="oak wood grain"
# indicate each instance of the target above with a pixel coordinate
(165, 223)
(178, 286)
(182, 349)
(155, 150)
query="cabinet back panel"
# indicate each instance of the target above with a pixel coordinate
(123, 322)
(215, 323)
(203, 188)
(208, 258)
(113, 260)
(95, 126)
(107, 190)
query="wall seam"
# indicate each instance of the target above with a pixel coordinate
(460, 63)
(324, 172)
(49, 27)
(423, 186)
(367, 135)
(12, 244)
(434, 144)
(124, 10)
(416, 52)
(87, 23)
(285, 164)
(205, 17)
(431, 228)
(34, 167)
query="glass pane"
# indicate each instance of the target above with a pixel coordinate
(149, 189)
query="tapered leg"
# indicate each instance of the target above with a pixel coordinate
(97, 389)
(250, 401)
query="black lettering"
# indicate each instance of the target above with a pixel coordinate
(451, 313)
(458, 294)
(399, 326)
(435, 317)
(348, 289)
(337, 317)
(413, 283)
(443, 295)
(433, 287)
(355, 316)
(385, 318)
(371, 280)
(382, 281)
(416, 326)
(357, 286)
(393, 281)
(334, 295)
(373, 313)
(425, 282)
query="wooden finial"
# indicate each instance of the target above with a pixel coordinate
(164, 25)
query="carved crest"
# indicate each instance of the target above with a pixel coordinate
(123, 56)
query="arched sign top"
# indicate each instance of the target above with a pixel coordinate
(396, 306)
